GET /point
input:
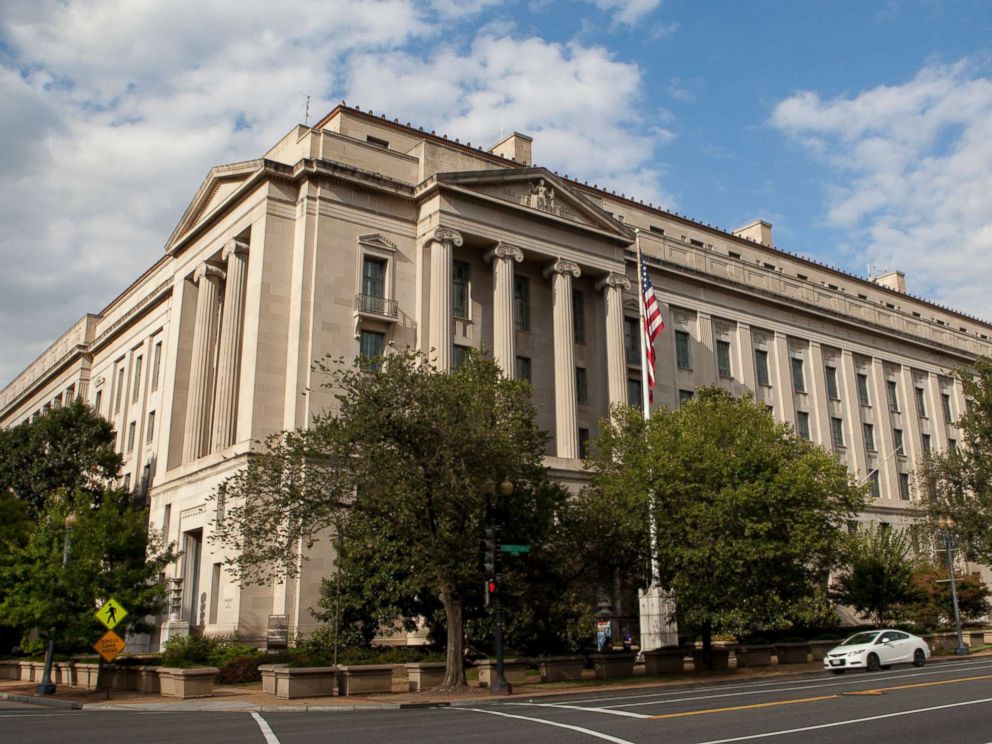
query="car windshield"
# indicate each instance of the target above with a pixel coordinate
(859, 638)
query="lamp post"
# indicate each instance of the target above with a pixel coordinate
(499, 685)
(946, 524)
(46, 686)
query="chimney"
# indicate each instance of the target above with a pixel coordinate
(759, 231)
(893, 280)
(516, 147)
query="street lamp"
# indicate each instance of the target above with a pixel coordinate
(499, 685)
(946, 525)
(47, 687)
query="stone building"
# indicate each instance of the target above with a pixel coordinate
(361, 234)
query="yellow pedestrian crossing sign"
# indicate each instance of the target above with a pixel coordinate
(111, 613)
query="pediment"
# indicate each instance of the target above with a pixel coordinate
(541, 191)
(221, 182)
(378, 242)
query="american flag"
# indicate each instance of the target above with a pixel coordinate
(653, 325)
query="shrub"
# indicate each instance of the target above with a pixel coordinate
(241, 669)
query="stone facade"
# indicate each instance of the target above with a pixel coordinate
(361, 234)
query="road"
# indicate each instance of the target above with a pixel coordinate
(947, 702)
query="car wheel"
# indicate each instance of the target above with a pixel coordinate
(873, 665)
(838, 671)
(919, 658)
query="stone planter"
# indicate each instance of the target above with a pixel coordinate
(146, 679)
(195, 682)
(364, 679)
(268, 672)
(26, 671)
(974, 637)
(289, 683)
(943, 641)
(819, 649)
(606, 666)
(64, 673)
(792, 653)
(561, 668)
(10, 670)
(753, 656)
(423, 675)
(514, 670)
(665, 660)
(721, 660)
(87, 676)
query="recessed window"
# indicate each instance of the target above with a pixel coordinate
(376, 141)
(150, 434)
(897, 443)
(921, 403)
(120, 389)
(682, 357)
(697, 243)
(634, 394)
(458, 356)
(723, 359)
(130, 436)
(863, 390)
(521, 303)
(798, 375)
(952, 446)
(631, 341)
(803, 277)
(832, 383)
(892, 395)
(127, 482)
(578, 317)
(523, 368)
(98, 402)
(873, 485)
(734, 254)
(156, 364)
(869, 437)
(657, 230)
(685, 396)
(802, 424)
(761, 366)
(927, 447)
(837, 432)
(583, 443)
(459, 290)
(862, 296)
(769, 266)
(371, 344)
(945, 402)
(581, 385)
(904, 493)
(136, 383)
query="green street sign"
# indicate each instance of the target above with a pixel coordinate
(514, 549)
(111, 613)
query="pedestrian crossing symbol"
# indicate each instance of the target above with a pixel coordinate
(111, 613)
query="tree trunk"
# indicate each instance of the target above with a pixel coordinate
(708, 645)
(454, 673)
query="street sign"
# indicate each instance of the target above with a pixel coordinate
(109, 646)
(514, 549)
(111, 613)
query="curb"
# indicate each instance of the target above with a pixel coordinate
(44, 702)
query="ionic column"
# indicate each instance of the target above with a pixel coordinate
(613, 286)
(566, 422)
(818, 404)
(503, 256)
(229, 359)
(208, 279)
(786, 408)
(441, 245)
(745, 357)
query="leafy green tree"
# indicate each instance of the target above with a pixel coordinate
(876, 577)
(749, 516)
(107, 552)
(933, 607)
(409, 447)
(959, 483)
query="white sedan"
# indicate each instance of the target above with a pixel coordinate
(875, 649)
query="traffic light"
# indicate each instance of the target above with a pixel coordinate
(489, 550)
(491, 588)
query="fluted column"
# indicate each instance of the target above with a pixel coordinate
(938, 426)
(888, 467)
(229, 358)
(441, 246)
(857, 463)
(566, 423)
(913, 444)
(208, 279)
(818, 405)
(613, 286)
(503, 257)
(786, 408)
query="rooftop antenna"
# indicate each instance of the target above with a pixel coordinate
(306, 113)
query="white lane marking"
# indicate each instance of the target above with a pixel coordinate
(587, 732)
(609, 711)
(847, 723)
(270, 737)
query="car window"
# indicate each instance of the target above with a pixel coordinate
(858, 638)
(900, 636)
(886, 637)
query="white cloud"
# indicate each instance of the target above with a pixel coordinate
(628, 12)
(111, 113)
(913, 176)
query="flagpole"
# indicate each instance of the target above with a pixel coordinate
(655, 569)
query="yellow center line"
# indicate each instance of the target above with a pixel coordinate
(880, 690)
(752, 706)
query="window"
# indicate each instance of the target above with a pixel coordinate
(150, 434)
(798, 378)
(130, 436)
(952, 446)
(921, 404)
(869, 437)
(578, 317)
(945, 401)
(891, 394)
(927, 450)
(583, 443)
(127, 482)
(458, 355)
(521, 303)
(459, 290)
(685, 396)
(657, 230)
(57, 401)
(99, 401)
(376, 141)
(581, 389)
(723, 358)
(837, 432)
(156, 363)
(523, 368)
(136, 384)
(761, 365)
(803, 277)
(697, 243)
(371, 344)
(682, 359)
(863, 390)
(634, 392)
(734, 254)
(631, 341)
(832, 384)
(120, 389)
(897, 445)
(374, 278)
(904, 486)
(802, 424)
(873, 485)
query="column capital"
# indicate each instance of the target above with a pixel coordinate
(446, 235)
(613, 280)
(235, 246)
(561, 266)
(209, 271)
(504, 250)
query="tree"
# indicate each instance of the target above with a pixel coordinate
(933, 605)
(959, 483)
(877, 574)
(749, 516)
(411, 447)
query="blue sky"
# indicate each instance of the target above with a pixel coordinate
(862, 130)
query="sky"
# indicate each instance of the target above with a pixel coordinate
(861, 130)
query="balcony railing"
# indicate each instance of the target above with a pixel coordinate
(372, 305)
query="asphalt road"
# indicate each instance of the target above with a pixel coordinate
(947, 702)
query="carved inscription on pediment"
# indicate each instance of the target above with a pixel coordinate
(540, 195)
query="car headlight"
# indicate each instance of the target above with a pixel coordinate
(855, 653)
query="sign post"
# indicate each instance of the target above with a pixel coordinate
(109, 645)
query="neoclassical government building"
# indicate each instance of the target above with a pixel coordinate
(361, 235)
